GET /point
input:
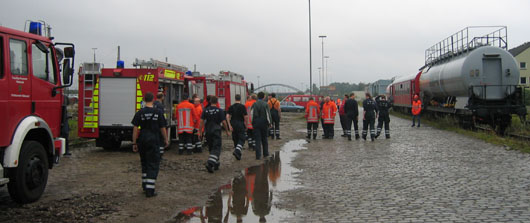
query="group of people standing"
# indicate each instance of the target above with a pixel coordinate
(252, 122)
(349, 114)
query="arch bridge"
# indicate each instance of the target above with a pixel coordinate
(279, 89)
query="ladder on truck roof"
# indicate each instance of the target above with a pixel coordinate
(151, 64)
(90, 72)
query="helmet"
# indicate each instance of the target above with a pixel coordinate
(416, 97)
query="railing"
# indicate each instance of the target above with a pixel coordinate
(462, 41)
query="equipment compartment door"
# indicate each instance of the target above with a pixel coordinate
(492, 76)
(117, 101)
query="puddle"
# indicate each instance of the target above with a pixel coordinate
(250, 196)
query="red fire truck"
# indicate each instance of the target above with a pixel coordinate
(109, 98)
(225, 86)
(32, 107)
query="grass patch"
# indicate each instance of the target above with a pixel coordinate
(449, 124)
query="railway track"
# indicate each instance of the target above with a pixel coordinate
(512, 135)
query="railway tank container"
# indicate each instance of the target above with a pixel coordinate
(487, 72)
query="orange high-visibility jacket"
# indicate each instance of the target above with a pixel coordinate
(248, 106)
(186, 117)
(274, 102)
(416, 107)
(329, 111)
(198, 112)
(312, 112)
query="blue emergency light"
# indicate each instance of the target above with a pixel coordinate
(35, 28)
(188, 73)
(120, 64)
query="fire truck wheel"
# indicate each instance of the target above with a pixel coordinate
(28, 180)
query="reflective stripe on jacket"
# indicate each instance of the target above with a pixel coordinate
(186, 117)
(328, 112)
(248, 121)
(312, 112)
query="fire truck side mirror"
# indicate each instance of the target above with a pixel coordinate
(68, 72)
(69, 52)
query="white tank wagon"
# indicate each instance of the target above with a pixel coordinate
(488, 72)
(474, 78)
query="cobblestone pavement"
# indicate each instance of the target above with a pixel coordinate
(419, 175)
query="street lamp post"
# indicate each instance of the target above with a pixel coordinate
(310, 58)
(323, 68)
(326, 73)
(319, 77)
(258, 81)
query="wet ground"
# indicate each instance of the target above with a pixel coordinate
(419, 175)
(252, 194)
(94, 185)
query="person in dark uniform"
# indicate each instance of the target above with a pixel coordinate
(351, 109)
(261, 120)
(276, 115)
(370, 109)
(211, 120)
(153, 123)
(159, 104)
(383, 117)
(236, 115)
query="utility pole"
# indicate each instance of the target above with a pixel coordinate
(310, 58)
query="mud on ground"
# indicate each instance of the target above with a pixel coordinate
(95, 185)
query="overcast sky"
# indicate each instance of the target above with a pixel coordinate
(366, 40)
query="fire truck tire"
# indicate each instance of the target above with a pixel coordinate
(28, 181)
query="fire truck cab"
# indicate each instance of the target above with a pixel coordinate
(109, 98)
(32, 107)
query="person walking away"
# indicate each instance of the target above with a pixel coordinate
(261, 120)
(351, 108)
(312, 114)
(248, 122)
(342, 115)
(416, 110)
(328, 114)
(211, 120)
(159, 104)
(148, 143)
(322, 119)
(236, 116)
(186, 118)
(276, 114)
(370, 110)
(383, 117)
(198, 111)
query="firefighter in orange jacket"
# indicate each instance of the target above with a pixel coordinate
(198, 111)
(312, 114)
(416, 110)
(328, 115)
(248, 122)
(276, 114)
(186, 118)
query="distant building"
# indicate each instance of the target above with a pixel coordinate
(522, 55)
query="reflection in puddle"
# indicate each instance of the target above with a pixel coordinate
(250, 195)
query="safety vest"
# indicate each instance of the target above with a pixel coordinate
(248, 106)
(186, 117)
(416, 107)
(328, 112)
(198, 112)
(311, 112)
